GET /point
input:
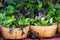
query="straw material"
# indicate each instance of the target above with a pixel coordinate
(17, 34)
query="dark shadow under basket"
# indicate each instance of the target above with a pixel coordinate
(58, 27)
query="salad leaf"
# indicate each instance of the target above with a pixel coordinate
(39, 6)
(43, 22)
(58, 15)
(9, 21)
(10, 9)
(24, 22)
(1, 17)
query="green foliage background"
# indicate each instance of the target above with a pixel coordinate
(29, 12)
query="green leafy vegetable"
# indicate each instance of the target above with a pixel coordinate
(1, 17)
(9, 21)
(24, 22)
(10, 9)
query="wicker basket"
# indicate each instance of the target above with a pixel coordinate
(17, 33)
(58, 27)
(44, 31)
